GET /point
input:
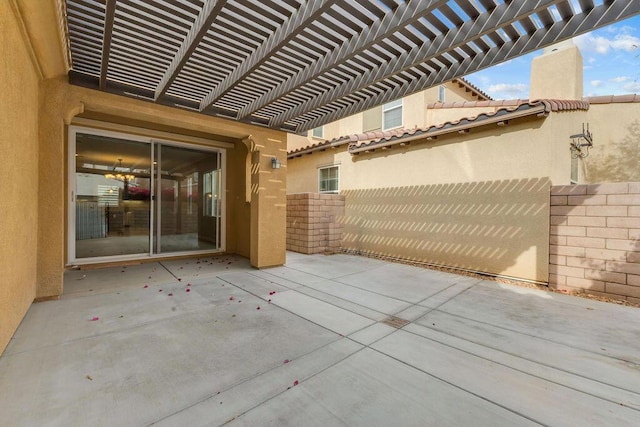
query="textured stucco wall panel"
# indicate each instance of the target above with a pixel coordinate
(497, 227)
(18, 173)
(267, 208)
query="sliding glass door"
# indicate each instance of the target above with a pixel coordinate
(134, 197)
(187, 204)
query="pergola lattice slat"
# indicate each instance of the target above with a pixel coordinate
(298, 64)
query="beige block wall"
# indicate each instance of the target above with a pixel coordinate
(18, 173)
(615, 155)
(313, 222)
(595, 239)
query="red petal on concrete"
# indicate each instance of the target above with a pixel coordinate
(188, 290)
(295, 382)
(95, 318)
(146, 286)
(286, 361)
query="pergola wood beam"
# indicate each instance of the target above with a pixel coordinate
(403, 15)
(203, 22)
(486, 23)
(278, 39)
(588, 20)
(109, 15)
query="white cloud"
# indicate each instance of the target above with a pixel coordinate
(602, 45)
(596, 83)
(620, 79)
(508, 90)
(504, 63)
(632, 87)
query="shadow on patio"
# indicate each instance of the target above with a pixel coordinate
(208, 341)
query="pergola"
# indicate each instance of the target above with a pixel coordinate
(298, 64)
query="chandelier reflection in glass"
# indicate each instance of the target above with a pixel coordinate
(120, 176)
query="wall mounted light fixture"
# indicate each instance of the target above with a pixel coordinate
(581, 142)
(275, 163)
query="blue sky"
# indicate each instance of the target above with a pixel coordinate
(611, 58)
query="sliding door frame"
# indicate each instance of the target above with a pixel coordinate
(154, 143)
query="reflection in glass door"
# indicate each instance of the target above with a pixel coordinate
(188, 202)
(137, 197)
(112, 196)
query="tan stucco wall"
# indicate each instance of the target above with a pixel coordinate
(266, 226)
(414, 114)
(18, 173)
(557, 73)
(476, 201)
(615, 156)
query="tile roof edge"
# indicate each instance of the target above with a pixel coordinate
(556, 104)
(473, 88)
(539, 108)
(336, 142)
(613, 99)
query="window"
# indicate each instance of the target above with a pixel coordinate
(190, 195)
(441, 93)
(318, 132)
(329, 179)
(574, 170)
(392, 114)
(211, 206)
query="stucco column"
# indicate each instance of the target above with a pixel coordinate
(56, 111)
(268, 202)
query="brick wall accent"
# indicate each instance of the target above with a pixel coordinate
(595, 239)
(313, 222)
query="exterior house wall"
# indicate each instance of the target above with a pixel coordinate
(477, 201)
(38, 105)
(563, 61)
(595, 239)
(615, 155)
(265, 230)
(413, 115)
(20, 78)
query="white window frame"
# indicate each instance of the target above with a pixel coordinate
(320, 169)
(387, 107)
(313, 132)
(442, 90)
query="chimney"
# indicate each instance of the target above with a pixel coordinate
(557, 73)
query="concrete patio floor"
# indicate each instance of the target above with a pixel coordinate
(213, 341)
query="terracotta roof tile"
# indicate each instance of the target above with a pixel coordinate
(613, 99)
(335, 142)
(475, 90)
(503, 107)
(508, 108)
(557, 105)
